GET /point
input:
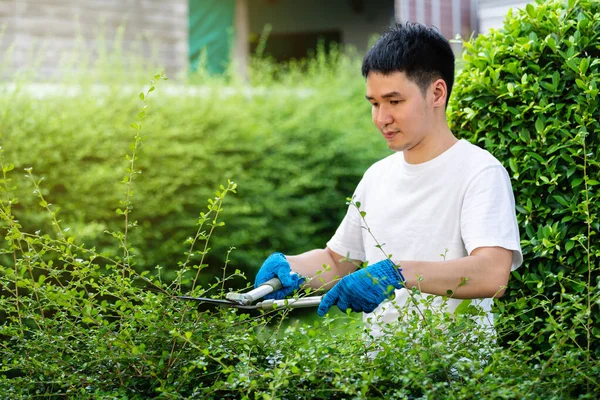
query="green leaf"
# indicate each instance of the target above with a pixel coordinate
(581, 84)
(530, 231)
(571, 64)
(561, 200)
(539, 125)
(569, 245)
(548, 86)
(555, 80)
(530, 10)
(576, 182)
(584, 65)
(536, 156)
(513, 165)
(463, 306)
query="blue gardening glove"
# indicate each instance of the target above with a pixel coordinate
(276, 265)
(364, 289)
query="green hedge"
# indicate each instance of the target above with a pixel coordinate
(528, 93)
(296, 147)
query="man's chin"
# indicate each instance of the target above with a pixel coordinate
(398, 146)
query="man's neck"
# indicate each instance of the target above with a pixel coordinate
(430, 147)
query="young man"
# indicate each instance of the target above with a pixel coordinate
(440, 211)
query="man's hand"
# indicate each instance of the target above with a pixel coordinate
(364, 289)
(276, 265)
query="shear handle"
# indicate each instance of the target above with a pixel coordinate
(255, 294)
(303, 302)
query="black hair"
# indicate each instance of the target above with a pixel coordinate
(420, 51)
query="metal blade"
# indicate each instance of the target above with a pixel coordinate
(225, 303)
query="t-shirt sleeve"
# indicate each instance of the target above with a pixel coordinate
(348, 240)
(488, 216)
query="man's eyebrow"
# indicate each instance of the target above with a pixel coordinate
(395, 93)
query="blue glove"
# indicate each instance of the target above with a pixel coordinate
(364, 289)
(276, 265)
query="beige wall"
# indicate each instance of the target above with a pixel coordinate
(493, 12)
(54, 26)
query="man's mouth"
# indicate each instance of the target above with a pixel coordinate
(389, 134)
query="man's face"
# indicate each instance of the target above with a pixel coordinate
(399, 109)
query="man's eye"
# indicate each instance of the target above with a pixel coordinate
(375, 104)
(394, 102)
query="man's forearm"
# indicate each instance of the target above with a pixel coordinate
(481, 275)
(310, 263)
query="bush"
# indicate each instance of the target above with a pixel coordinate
(295, 149)
(529, 94)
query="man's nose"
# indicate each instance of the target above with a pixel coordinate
(384, 118)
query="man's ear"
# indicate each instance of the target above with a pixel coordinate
(439, 92)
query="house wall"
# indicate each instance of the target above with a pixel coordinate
(451, 17)
(289, 16)
(52, 28)
(55, 27)
(493, 12)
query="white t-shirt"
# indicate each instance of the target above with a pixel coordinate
(453, 204)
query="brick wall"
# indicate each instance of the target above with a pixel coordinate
(40, 32)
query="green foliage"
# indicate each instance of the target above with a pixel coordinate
(295, 149)
(88, 326)
(528, 93)
(78, 330)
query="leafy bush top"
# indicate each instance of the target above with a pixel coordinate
(529, 94)
(295, 150)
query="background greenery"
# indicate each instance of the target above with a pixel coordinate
(84, 314)
(296, 144)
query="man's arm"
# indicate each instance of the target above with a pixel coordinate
(487, 270)
(309, 263)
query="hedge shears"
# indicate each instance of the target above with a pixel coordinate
(245, 300)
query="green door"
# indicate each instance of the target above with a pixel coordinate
(210, 33)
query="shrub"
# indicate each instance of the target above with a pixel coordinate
(87, 326)
(528, 93)
(295, 149)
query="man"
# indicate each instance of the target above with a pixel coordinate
(438, 214)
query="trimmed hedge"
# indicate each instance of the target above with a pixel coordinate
(528, 93)
(297, 147)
